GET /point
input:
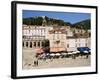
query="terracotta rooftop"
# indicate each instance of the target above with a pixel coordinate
(63, 31)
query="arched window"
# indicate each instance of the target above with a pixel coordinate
(38, 44)
(26, 44)
(30, 44)
(23, 44)
(42, 44)
(67, 45)
(34, 44)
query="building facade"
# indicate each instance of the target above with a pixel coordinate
(61, 38)
(34, 36)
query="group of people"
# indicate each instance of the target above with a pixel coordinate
(45, 56)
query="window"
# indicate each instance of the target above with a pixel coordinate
(75, 40)
(26, 44)
(57, 36)
(79, 45)
(53, 36)
(30, 44)
(76, 45)
(42, 44)
(38, 44)
(23, 44)
(67, 45)
(34, 44)
(62, 44)
(79, 40)
(62, 37)
(85, 44)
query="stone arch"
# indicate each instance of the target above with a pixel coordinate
(30, 44)
(23, 43)
(34, 43)
(38, 43)
(26, 44)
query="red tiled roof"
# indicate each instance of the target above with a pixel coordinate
(57, 30)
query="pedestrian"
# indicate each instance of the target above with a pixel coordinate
(35, 63)
(87, 56)
(73, 56)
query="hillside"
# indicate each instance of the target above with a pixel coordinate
(85, 24)
(39, 21)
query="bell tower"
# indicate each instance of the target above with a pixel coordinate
(44, 21)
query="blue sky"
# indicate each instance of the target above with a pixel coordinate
(66, 16)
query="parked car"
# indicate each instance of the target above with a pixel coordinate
(84, 49)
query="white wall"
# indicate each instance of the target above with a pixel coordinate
(5, 40)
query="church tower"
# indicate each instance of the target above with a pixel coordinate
(44, 21)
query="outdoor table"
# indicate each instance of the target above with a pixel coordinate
(52, 54)
(57, 54)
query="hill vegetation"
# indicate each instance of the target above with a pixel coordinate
(85, 24)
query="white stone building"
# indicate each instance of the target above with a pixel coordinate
(33, 36)
(60, 38)
(74, 43)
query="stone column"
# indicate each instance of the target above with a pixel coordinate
(24, 44)
(33, 44)
(36, 44)
(40, 44)
(28, 44)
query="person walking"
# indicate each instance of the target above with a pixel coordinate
(35, 61)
